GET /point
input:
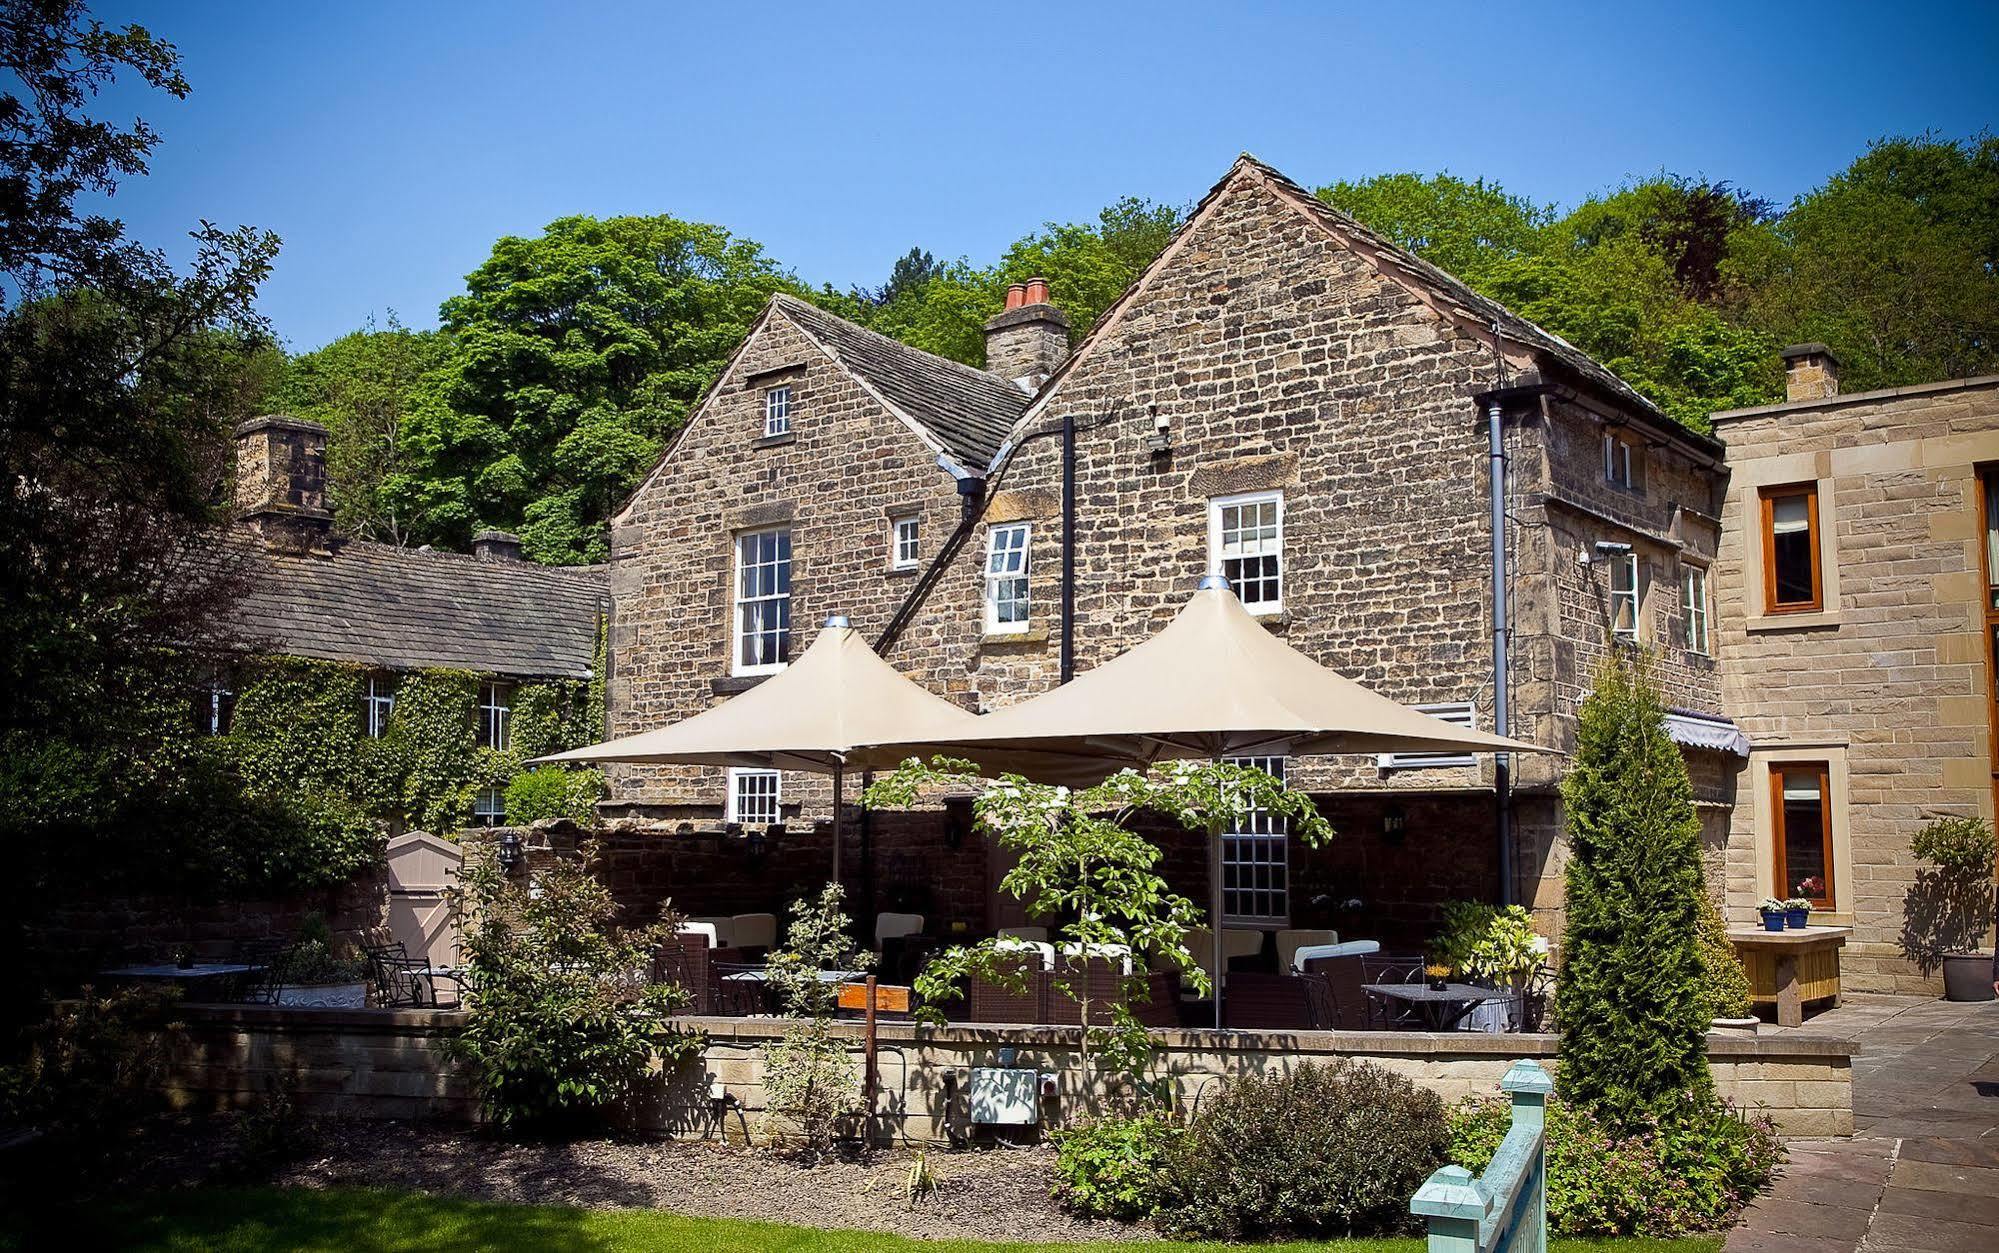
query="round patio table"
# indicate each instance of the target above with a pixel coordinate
(1442, 1008)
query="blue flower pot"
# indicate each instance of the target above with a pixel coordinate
(1773, 922)
(1796, 919)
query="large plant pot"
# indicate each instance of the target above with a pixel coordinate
(1773, 922)
(1967, 977)
(330, 996)
(1733, 1026)
(1797, 919)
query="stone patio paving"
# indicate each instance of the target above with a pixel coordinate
(1921, 1172)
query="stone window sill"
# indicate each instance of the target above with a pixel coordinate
(1792, 621)
(1014, 639)
(735, 684)
(904, 572)
(776, 441)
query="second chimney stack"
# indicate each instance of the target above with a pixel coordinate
(1027, 340)
(1811, 372)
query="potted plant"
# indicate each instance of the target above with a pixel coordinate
(1952, 903)
(1798, 910)
(1440, 975)
(312, 974)
(1773, 912)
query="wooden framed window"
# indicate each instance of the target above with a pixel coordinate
(1694, 610)
(489, 807)
(496, 716)
(378, 703)
(1792, 579)
(1617, 461)
(1988, 506)
(1006, 579)
(1801, 810)
(777, 411)
(905, 543)
(763, 602)
(1246, 546)
(1256, 861)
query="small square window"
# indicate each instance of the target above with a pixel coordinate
(753, 797)
(1246, 546)
(489, 807)
(777, 411)
(905, 543)
(1617, 461)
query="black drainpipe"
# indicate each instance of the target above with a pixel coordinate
(1068, 670)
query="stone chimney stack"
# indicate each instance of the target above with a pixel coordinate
(281, 482)
(497, 546)
(1028, 340)
(1811, 372)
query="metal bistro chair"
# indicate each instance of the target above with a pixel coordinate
(405, 982)
(263, 983)
(1391, 1015)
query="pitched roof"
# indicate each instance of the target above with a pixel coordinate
(966, 412)
(372, 604)
(1453, 296)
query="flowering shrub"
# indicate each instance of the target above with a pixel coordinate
(1110, 1168)
(1690, 1173)
(1490, 942)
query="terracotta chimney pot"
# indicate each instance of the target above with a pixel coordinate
(1037, 291)
(1016, 295)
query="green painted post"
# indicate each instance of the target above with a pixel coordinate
(1529, 1085)
(1455, 1207)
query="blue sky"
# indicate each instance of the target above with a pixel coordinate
(390, 145)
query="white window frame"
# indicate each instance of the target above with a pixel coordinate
(1617, 461)
(1001, 552)
(748, 784)
(745, 607)
(221, 712)
(905, 542)
(1633, 595)
(378, 705)
(1460, 713)
(496, 715)
(1218, 558)
(1696, 610)
(489, 806)
(777, 410)
(1261, 842)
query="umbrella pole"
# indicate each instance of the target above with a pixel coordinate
(1216, 960)
(839, 787)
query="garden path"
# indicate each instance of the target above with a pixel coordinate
(1921, 1172)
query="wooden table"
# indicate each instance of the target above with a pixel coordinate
(1789, 968)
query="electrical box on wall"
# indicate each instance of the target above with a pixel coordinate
(1005, 1096)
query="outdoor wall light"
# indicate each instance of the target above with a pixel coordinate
(754, 846)
(1394, 824)
(510, 850)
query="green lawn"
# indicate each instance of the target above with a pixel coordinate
(232, 1220)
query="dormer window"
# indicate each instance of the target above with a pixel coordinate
(777, 410)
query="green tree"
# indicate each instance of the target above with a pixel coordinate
(1632, 1006)
(1893, 263)
(579, 352)
(1462, 226)
(371, 388)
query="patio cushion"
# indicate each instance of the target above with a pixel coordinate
(1349, 948)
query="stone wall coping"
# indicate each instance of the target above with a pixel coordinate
(751, 1031)
(1858, 398)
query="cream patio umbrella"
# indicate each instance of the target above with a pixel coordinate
(1214, 683)
(837, 706)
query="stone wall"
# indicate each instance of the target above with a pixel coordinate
(391, 1064)
(1889, 684)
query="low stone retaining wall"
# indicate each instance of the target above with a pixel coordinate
(392, 1064)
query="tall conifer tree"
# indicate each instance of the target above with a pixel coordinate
(1632, 1012)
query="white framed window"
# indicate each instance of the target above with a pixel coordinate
(1625, 595)
(763, 602)
(1459, 713)
(1246, 546)
(1616, 461)
(496, 716)
(1006, 579)
(753, 797)
(1694, 609)
(378, 701)
(777, 410)
(489, 807)
(905, 539)
(214, 710)
(1256, 860)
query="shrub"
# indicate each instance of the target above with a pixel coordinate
(1495, 942)
(565, 1019)
(1324, 1150)
(808, 1076)
(1631, 1007)
(92, 1068)
(1960, 847)
(1724, 983)
(552, 792)
(1111, 1167)
(1690, 1173)
(312, 957)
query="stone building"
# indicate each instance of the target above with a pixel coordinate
(1856, 619)
(1283, 396)
(312, 593)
